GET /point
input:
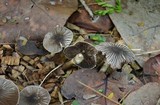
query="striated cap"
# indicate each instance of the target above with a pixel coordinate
(83, 49)
(9, 93)
(56, 40)
(116, 54)
(34, 95)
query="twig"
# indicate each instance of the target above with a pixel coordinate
(149, 52)
(49, 74)
(98, 93)
(87, 8)
(125, 96)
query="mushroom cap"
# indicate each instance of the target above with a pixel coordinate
(9, 93)
(87, 50)
(34, 95)
(116, 54)
(56, 40)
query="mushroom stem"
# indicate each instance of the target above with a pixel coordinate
(76, 60)
(104, 67)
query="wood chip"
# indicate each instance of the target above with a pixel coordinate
(7, 47)
(26, 58)
(10, 60)
(54, 94)
(32, 62)
(40, 66)
(15, 73)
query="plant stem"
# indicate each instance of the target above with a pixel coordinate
(49, 74)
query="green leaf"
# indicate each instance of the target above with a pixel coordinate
(101, 3)
(98, 1)
(98, 38)
(75, 102)
(100, 90)
(107, 5)
(118, 2)
(118, 8)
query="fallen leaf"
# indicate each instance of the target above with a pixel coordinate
(82, 19)
(29, 48)
(32, 18)
(146, 95)
(151, 69)
(145, 38)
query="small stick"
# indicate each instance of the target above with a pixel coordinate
(49, 74)
(149, 52)
(87, 8)
(98, 93)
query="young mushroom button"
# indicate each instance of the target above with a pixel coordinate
(82, 54)
(34, 95)
(56, 40)
(116, 54)
(9, 93)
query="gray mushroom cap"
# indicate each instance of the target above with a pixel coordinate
(34, 95)
(56, 40)
(9, 93)
(116, 54)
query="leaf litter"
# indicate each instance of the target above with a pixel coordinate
(25, 60)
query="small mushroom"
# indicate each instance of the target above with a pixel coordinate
(56, 40)
(9, 93)
(34, 95)
(81, 54)
(116, 55)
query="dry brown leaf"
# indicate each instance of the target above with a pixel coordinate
(146, 95)
(32, 18)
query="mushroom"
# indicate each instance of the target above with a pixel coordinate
(116, 55)
(34, 95)
(81, 54)
(56, 40)
(9, 93)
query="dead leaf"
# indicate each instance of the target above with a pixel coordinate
(29, 48)
(81, 19)
(146, 95)
(118, 84)
(32, 19)
(72, 89)
(145, 38)
(151, 69)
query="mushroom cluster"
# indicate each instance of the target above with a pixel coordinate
(58, 39)
(116, 54)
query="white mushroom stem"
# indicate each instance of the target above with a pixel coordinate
(76, 60)
(104, 67)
